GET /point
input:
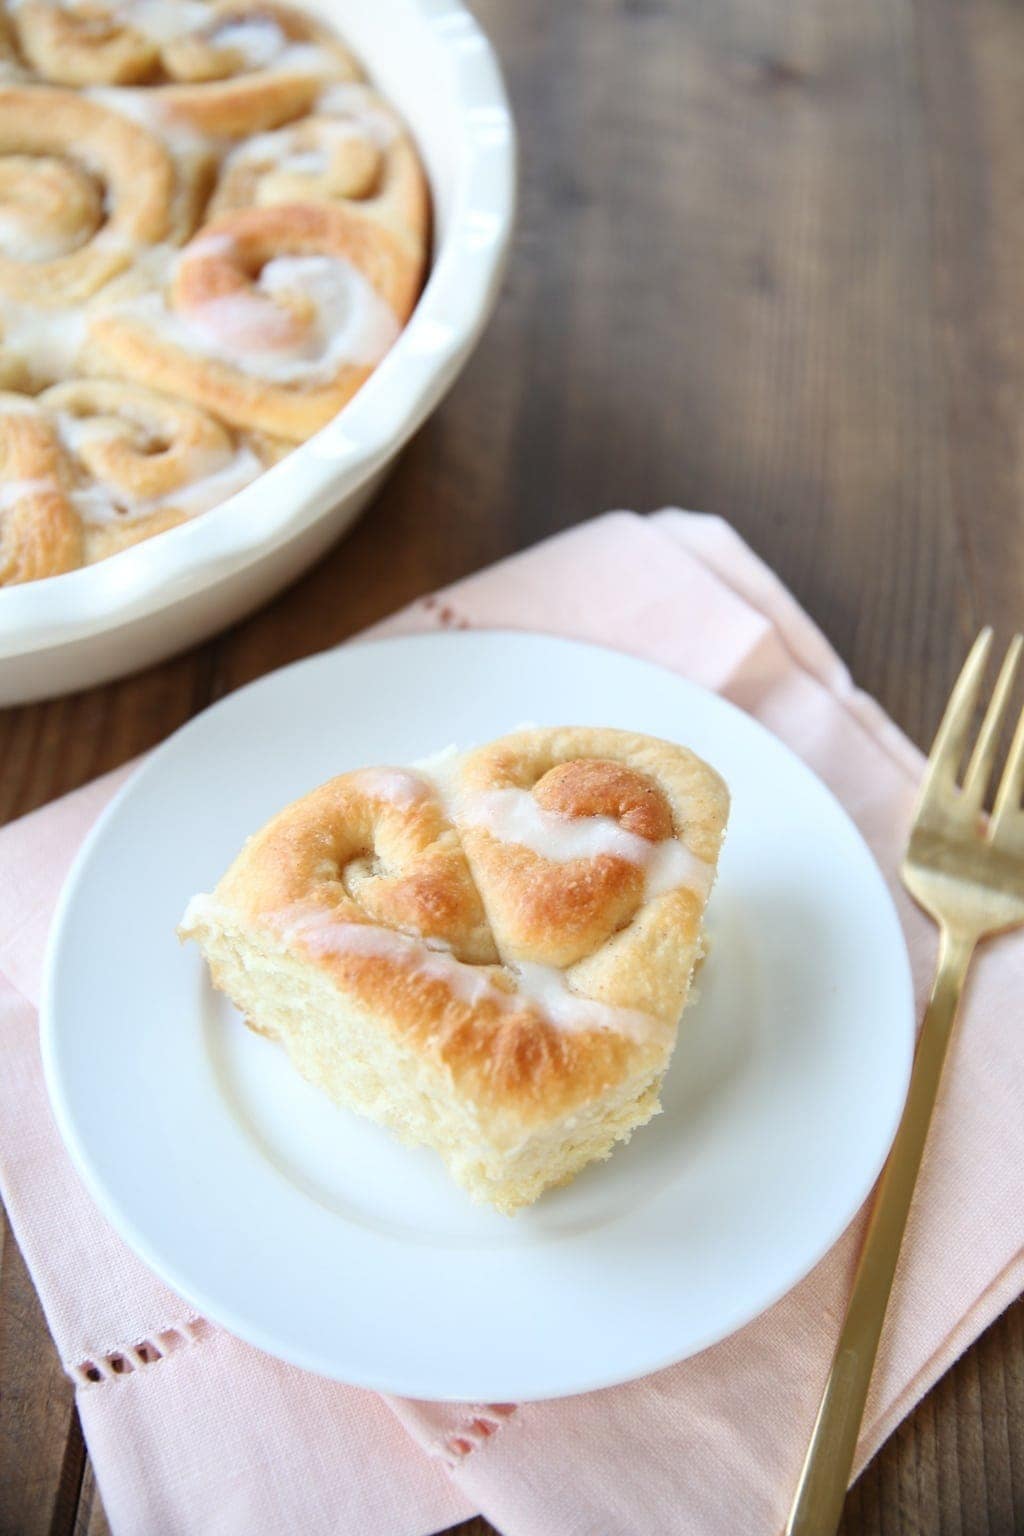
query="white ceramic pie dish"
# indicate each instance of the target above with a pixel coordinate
(431, 60)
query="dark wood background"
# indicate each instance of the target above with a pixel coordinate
(768, 263)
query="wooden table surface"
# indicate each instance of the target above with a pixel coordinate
(768, 263)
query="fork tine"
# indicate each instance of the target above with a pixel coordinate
(979, 769)
(1011, 785)
(951, 737)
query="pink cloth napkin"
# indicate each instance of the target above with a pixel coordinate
(191, 1430)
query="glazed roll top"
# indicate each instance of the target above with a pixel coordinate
(91, 466)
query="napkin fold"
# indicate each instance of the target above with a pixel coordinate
(193, 1430)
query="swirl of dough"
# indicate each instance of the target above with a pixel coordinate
(374, 846)
(140, 444)
(90, 43)
(250, 67)
(81, 190)
(48, 207)
(352, 150)
(236, 38)
(273, 318)
(40, 531)
(575, 835)
(91, 466)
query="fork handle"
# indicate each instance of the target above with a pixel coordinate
(820, 1494)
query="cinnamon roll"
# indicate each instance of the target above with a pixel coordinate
(250, 67)
(352, 149)
(91, 466)
(82, 190)
(489, 953)
(271, 317)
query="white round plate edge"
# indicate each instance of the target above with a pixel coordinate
(413, 1386)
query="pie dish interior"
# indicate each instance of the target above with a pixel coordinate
(213, 229)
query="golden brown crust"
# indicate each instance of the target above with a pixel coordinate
(598, 787)
(332, 877)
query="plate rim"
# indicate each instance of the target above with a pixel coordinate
(194, 1296)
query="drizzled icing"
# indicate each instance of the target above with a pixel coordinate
(13, 491)
(542, 987)
(282, 150)
(348, 99)
(351, 324)
(258, 40)
(162, 20)
(159, 19)
(48, 340)
(147, 108)
(98, 504)
(398, 786)
(514, 816)
(442, 770)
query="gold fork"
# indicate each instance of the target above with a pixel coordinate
(966, 869)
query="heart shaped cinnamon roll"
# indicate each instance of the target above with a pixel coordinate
(488, 953)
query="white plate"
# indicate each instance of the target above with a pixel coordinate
(316, 1236)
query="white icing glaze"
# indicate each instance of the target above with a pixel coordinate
(356, 102)
(514, 816)
(547, 989)
(543, 987)
(76, 431)
(305, 59)
(146, 108)
(352, 324)
(398, 786)
(282, 150)
(163, 20)
(98, 504)
(209, 490)
(323, 934)
(13, 491)
(19, 241)
(49, 340)
(258, 40)
(442, 769)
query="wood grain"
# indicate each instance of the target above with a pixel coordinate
(41, 1450)
(767, 264)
